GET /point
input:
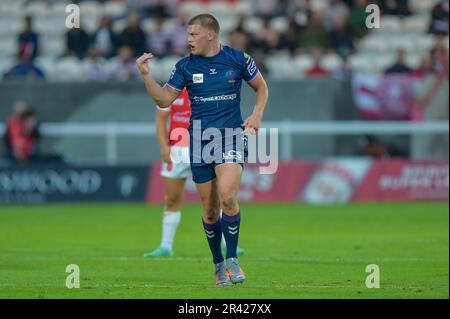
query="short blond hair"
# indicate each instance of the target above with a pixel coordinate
(206, 20)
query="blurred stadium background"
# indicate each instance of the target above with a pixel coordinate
(362, 113)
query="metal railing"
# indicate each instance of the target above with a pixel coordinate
(286, 130)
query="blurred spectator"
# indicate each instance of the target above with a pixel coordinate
(399, 65)
(104, 40)
(96, 69)
(439, 56)
(266, 9)
(14, 128)
(341, 38)
(317, 71)
(28, 41)
(265, 39)
(335, 11)
(373, 148)
(394, 7)
(22, 134)
(24, 69)
(343, 72)
(77, 41)
(357, 18)
(158, 40)
(158, 9)
(125, 66)
(133, 36)
(301, 12)
(315, 35)
(425, 67)
(290, 40)
(178, 37)
(239, 38)
(439, 18)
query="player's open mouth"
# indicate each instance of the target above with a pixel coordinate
(192, 47)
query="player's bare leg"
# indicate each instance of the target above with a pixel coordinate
(228, 181)
(213, 229)
(173, 196)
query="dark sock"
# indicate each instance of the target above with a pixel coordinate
(230, 229)
(214, 236)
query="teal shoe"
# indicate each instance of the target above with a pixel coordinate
(159, 252)
(240, 251)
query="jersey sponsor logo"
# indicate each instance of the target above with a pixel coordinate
(197, 78)
(215, 98)
(231, 76)
(232, 155)
(251, 68)
(173, 72)
(212, 71)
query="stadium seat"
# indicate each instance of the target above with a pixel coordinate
(5, 64)
(37, 9)
(425, 42)
(119, 25)
(48, 64)
(68, 69)
(243, 8)
(416, 24)
(391, 24)
(363, 63)
(115, 9)
(279, 24)
(252, 24)
(148, 25)
(373, 43)
(191, 8)
(319, 5)
(331, 61)
(422, 6)
(8, 46)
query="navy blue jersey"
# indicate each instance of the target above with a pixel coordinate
(214, 86)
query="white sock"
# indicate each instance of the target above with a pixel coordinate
(169, 228)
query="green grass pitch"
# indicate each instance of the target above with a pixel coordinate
(293, 251)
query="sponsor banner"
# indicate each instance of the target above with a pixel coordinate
(335, 181)
(284, 186)
(30, 184)
(398, 180)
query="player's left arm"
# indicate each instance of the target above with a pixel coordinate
(259, 85)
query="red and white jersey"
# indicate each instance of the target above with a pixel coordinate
(180, 115)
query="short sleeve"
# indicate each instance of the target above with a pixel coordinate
(176, 80)
(251, 70)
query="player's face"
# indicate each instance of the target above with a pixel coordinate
(197, 39)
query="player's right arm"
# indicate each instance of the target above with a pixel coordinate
(163, 96)
(163, 136)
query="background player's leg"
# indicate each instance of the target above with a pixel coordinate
(173, 196)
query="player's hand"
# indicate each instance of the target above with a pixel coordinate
(142, 63)
(165, 155)
(252, 124)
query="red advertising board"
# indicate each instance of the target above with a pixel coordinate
(332, 181)
(398, 180)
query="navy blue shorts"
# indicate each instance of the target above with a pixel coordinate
(202, 167)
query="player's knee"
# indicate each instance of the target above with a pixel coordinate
(211, 215)
(172, 202)
(228, 200)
